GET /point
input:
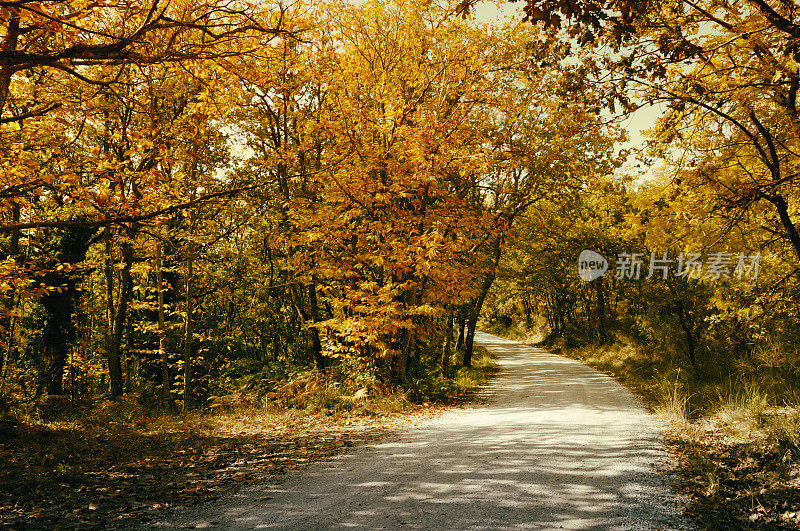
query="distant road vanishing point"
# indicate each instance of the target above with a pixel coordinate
(554, 445)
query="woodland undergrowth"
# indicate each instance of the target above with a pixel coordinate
(104, 463)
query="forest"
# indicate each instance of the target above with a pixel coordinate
(244, 195)
(205, 202)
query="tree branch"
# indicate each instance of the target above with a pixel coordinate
(121, 220)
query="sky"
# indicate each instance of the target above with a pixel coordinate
(636, 124)
(501, 11)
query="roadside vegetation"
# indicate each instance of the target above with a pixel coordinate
(733, 426)
(100, 463)
(716, 358)
(735, 430)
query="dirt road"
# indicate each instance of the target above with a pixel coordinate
(555, 445)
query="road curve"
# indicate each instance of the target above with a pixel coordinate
(555, 445)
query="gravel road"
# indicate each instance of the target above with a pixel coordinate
(555, 445)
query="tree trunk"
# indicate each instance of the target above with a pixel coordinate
(527, 307)
(447, 350)
(162, 331)
(462, 323)
(478, 305)
(57, 334)
(313, 316)
(5, 352)
(118, 312)
(786, 221)
(7, 323)
(112, 354)
(9, 45)
(120, 316)
(473, 319)
(401, 367)
(188, 336)
(316, 344)
(59, 330)
(601, 311)
(687, 330)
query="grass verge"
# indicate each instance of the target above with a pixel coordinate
(736, 449)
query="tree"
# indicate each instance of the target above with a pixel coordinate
(94, 113)
(60, 283)
(552, 141)
(729, 72)
(53, 70)
(49, 38)
(268, 201)
(435, 136)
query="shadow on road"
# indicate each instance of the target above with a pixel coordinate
(556, 445)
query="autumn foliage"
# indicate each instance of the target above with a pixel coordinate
(196, 193)
(205, 199)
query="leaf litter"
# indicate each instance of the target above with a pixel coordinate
(99, 474)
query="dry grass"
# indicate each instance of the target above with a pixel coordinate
(736, 448)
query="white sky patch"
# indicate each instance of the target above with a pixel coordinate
(640, 121)
(495, 11)
(637, 124)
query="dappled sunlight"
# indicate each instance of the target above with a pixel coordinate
(556, 444)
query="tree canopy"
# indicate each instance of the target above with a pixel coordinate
(188, 185)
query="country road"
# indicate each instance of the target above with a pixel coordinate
(555, 445)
